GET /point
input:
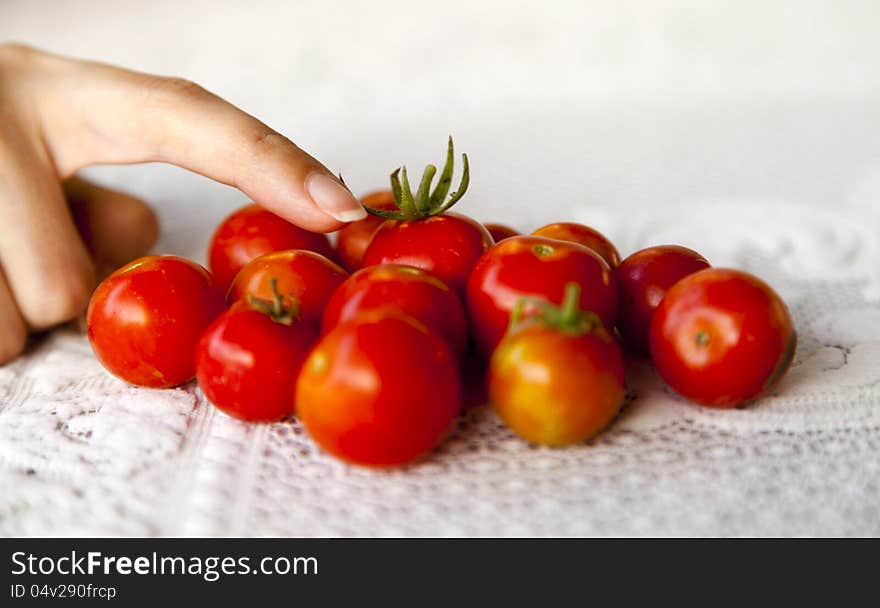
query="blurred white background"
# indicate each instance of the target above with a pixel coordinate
(610, 105)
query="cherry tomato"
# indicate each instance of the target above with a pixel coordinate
(499, 232)
(422, 233)
(249, 358)
(305, 276)
(446, 245)
(721, 337)
(642, 281)
(584, 235)
(144, 320)
(406, 289)
(558, 380)
(352, 239)
(534, 266)
(253, 231)
(380, 390)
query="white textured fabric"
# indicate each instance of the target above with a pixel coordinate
(721, 142)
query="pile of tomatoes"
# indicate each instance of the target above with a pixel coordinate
(378, 342)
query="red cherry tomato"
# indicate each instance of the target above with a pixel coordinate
(534, 266)
(380, 390)
(409, 290)
(642, 281)
(499, 232)
(144, 320)
(251, 232)
(584, 235)
(305, 276)
(249, 358)
(446, 245)
(353, 239)
(559, 382)
(721, 337)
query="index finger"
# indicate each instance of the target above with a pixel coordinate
(112, 115)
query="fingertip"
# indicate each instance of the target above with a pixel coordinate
(294, 185)
(137, 220)
(333, 198)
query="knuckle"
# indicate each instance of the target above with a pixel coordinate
(173, 90)
(263, 146)
(16, 53)
(58, 296)
(7, 146)
(264, 143)
(12, 342)
(265, 138)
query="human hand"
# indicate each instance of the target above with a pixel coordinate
(58, 115)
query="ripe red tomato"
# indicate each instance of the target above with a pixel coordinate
(534, 266)
(499, 232)
(380, 390)
(557, 378)
(305, 276)
(642, 281)
(446, 245)
(423, 233)
(249, 358)
(721, 337)
(253, 231)
(578, 233)
(409, 290)
(144, 320)
(353, 239)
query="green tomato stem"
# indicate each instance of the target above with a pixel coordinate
(567, 318)
(407, 204)
(278, 310)
(570, 311)
(442, 189)
(423, 200)
(425, 203)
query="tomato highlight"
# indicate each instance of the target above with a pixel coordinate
(145, 319)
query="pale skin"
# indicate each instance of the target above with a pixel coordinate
(59, 115)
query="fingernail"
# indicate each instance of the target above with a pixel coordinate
(333, 198)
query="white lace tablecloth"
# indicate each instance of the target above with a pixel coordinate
(762, 152)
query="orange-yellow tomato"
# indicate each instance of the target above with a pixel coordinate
(556, 388)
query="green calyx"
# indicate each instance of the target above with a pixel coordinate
(279, 310)
(567, 318)
(425, 202)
